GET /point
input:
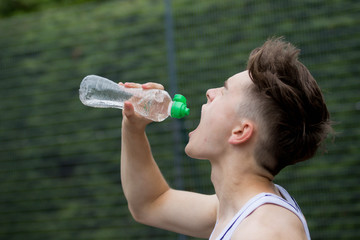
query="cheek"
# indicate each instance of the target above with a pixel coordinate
(199, 143)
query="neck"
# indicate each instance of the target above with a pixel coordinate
(236, 181)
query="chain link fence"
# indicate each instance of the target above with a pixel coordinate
(59, 160)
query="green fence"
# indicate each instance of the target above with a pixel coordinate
(59, 160)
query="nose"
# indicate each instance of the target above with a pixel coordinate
(211, 94)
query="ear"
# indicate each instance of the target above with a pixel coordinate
(242, 133)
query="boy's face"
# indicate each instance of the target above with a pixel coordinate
(218, 118)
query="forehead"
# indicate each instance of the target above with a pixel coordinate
(239, 80)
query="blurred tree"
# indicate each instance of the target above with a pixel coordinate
(14, 7)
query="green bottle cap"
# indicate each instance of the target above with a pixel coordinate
(179, 108)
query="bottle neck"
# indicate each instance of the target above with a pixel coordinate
(169, 108)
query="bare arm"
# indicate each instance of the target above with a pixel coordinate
(150, 199)
(141, 178)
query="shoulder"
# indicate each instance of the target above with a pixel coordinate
(271, 221)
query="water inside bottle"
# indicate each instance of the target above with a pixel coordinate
(154, 105)
(103, 93)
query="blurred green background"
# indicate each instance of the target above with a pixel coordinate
(59, 160)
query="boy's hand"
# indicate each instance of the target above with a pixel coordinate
(132, 120)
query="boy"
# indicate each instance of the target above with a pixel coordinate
(262, 119)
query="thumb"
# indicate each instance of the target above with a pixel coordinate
(128, 110)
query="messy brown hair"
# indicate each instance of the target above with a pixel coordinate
(290, 104)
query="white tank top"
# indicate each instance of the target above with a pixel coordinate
(261, 199)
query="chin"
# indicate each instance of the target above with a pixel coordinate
(193, 152)
(188, 150)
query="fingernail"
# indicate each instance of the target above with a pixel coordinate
(145, 85)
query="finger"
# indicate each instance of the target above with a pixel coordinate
(128, 109)
(152, 85)
(132, 85)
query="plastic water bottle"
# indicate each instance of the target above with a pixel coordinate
(154, 104)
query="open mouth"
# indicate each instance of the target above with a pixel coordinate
(197, 126)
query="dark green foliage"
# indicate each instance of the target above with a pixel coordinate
(17, 7)
(59, 160)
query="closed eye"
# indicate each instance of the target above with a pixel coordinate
(225, 88)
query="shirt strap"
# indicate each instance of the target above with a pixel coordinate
(259, 200)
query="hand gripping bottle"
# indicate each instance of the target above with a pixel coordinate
(154, 104)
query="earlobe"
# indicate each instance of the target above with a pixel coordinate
(241, 133)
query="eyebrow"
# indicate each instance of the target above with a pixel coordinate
(226, 84)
